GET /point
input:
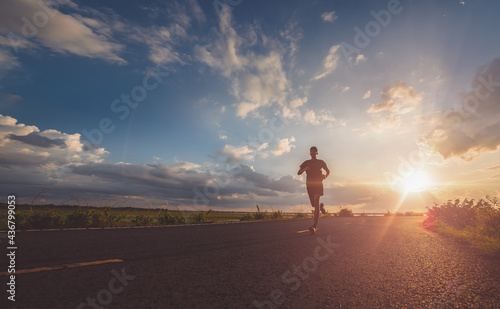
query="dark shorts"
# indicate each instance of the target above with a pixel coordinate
(315, 189)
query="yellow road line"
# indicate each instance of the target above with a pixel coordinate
(73, 265)
(304, 231)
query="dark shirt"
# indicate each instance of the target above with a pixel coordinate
(314, 174)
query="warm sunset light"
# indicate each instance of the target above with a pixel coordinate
(189, 105)
(417, 182)
(139, 137)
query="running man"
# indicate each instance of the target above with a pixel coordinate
(314, 183)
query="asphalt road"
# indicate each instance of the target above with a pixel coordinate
(360, 262)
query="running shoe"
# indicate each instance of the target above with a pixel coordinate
(322, 208)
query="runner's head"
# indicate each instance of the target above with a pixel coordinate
(313, 151)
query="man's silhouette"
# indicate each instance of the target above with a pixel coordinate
(314, 182)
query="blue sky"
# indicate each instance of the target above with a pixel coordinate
(203, 104)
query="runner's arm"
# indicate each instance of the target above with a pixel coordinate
(327, 172)
(302, 170)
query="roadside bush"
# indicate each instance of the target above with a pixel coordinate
(301, 215)
(247, 217)
(457, 214)
(345, 212)
(141, 220)
(106, 218)
(201, 217)
(79, 218)
(92, 218)
(166, 218)
(260, 215)
(277, 214)
(478, 223)
(44, 220)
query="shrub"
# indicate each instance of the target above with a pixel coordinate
(199, 217)
(141, 220)
(277, 214)
(79, 218)
(107, 218)
(301, 215)
(260, 215)
(477, 223)
(93, 218)
(247, 217)
(165, 218)
(44, 220)
(345, 212)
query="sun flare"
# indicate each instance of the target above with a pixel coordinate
(417, 182)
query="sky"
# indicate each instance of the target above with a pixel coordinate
(198, 105)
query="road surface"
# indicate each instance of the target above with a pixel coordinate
(359, 262)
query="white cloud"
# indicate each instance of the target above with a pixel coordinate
(367, 94)
(223, 53)
(222, 136)
(257, 80)
(236, 154)
(293, 35)
(283, 146)
(55, 166)
(345, 89)
(7, 62)
(330, 62)
(360, 58)
(314, 119)
(197, 11)
(163, 54)
(397, 100)
(60, 32)
(44, 157)
(329, 16)
(472, 126)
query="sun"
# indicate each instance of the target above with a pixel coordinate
(417, 182)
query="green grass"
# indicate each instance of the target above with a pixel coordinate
(65, 216)
(55, 217)
(477, 223)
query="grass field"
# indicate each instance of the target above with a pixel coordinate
(55, 217)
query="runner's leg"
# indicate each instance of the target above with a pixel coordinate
(316, 209)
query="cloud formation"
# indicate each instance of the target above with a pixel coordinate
(58, 165)
(283, 146)
(397, 100)
(330, 63)
(42, 22)
(257, 80)
(35, 139)
(471, 127)
(329, 16)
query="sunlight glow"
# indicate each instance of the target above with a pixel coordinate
(417, 182)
